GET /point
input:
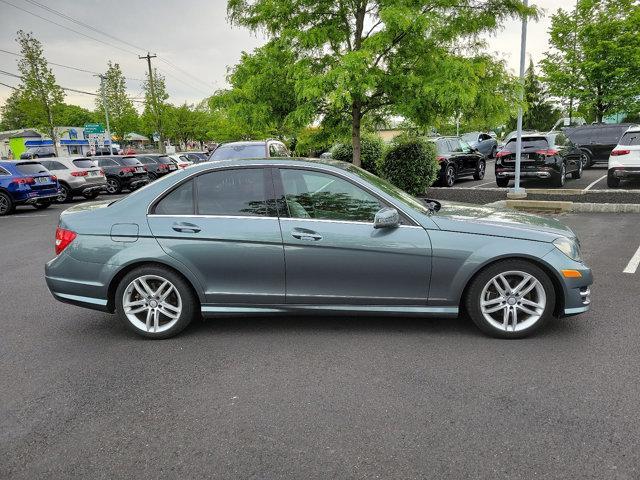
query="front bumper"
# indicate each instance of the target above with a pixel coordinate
(575, 297)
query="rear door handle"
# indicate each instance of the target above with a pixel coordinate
(185, 227)
(308, 235)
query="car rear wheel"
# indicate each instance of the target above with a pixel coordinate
(511, 299)
(449, 176)
(494, 151)
(480, 170)
(561, 177)
(6, 204)
(502, 182)
(588, 161)
(152, 176)
(64, 194)
(578, 173)
(91, 196)
(612, 182)
(155, 302)
(113, 186)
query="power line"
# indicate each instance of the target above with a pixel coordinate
(10, 86)
(184, 72)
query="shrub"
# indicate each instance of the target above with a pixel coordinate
(371, 148)
(411, 164)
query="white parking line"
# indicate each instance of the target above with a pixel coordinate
(488, 183)
(25, 216)
(632, 266)
(593, 183)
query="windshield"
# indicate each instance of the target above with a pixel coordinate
(390, 189)
(226, 152)
(129, 161)
(31, 168)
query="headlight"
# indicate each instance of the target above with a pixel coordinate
(570, 248)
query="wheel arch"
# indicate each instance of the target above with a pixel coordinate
(120, 274)
(553, 275)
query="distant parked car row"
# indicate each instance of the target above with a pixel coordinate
(26, 183)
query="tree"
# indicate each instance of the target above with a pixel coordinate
(595, 56)
(123, 118)
(39, 90)
(365, 57)
(19, 112)
(73, 115)
(154, 117)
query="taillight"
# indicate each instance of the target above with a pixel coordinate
(102, 172)
(127, 170)
(502, 153)
(24, 181)
(617, 153)
(440, 159)
(54, 178)
(82, 173)
(63, 239)
(549, 152)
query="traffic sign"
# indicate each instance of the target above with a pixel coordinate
(93, 128)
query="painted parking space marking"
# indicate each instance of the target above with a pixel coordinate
(482, 184)
(632, 266)
(21, 216)
(594, 183)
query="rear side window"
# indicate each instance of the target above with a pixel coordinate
(53, 165)
(84, 163)
(31, 168)
(630, 138)
(3, 171)
(178, 202)
(232, 192)
(144, 160)
(129, 161)
(106, 162)
(527, 142)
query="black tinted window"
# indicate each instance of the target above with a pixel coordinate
(238, 151)
(129, 161)
(84, 163)
(106, 162)
(4, 172)
(527, 142)
(31, 168)
(630, 138)
(53, 165)
(310, 194)
(232, 192)
(178, 202)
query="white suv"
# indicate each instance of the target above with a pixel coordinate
(77, 176)
(624, 161)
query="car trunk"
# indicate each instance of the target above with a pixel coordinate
(534, 152)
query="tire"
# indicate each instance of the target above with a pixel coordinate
(91, 196)
(114, 185)
(588, 163)
(34, 157)
(182, 300)
(42, 205)
(494, 152)
(6, 204)
(502, 182)
(449, 176)
(152, 177)
(559, 180)
(65, 194)
(480, 170)
(612, 182)
(578, 173)
(482, 287)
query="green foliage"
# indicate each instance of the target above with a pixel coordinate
(371, 152)
(595, 56)
(156, 109)
(312, 142)
(185, 123)
(371, 58)
(73, 116)
(411, 164)
(123, 117)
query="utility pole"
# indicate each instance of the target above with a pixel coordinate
(518, 192)
(152, 88)
(106, 110)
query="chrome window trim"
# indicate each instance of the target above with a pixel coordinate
(162, 215)
(324, 220)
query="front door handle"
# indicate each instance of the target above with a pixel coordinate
(304, 234)
(185, 227)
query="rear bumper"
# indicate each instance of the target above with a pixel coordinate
(625, 172)
(31, 199)
(525, 174)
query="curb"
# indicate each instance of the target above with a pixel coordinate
(558, 206)
(542, 191)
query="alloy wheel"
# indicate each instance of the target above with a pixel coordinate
(450, 176)
(513, 301)
(481, 169)
(152, 303)
(4, 205)
(63, 195)
(112, 186)
(563, 174)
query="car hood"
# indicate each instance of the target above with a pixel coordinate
(483, 220)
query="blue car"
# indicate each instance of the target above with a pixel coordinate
(26, 183)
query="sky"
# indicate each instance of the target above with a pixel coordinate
(191, 36)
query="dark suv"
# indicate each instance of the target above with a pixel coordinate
(254, 149)
(458, 159)
(38, 152)
(123, 173)
(156, 165)
(597, 141)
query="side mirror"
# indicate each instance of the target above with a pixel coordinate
(386, 218)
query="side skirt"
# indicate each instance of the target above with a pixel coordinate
(216, 310)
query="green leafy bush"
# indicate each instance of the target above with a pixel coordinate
(411, 164)
(371, 148)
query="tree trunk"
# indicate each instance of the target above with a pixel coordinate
(356, 112)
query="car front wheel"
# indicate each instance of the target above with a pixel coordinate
(561, 177)
(449, 176)
(578, 173)
(502, 182)
(511, 299)
(155, 302)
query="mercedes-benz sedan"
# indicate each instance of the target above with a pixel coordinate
(283, 236)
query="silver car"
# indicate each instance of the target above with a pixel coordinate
(77, 176)
(282, 236)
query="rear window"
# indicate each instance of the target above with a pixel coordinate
(129, 161)
(630, 138)
(145, 160)
(442, 146)
(165, 159)
(238, 151)
(527, 142)
(31, 168)
(84, 163)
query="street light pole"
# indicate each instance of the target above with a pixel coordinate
(517, 191)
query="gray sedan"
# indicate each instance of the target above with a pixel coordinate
(483, 142)
(283, 236)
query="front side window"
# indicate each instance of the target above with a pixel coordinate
(178, 202)
(317, 195)
(238, 192)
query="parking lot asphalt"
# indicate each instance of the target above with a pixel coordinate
(322, 398)
(593, 178)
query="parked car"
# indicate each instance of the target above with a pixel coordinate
(26, 183)
(181, 160)
(104, 151)
(156, 165)
(38, 152)
(196, 157)
(544, 156)
(624, 161)
(512, 135)
(597, 140)
(457, 159)
(77, 176)
(123, 173)
(254, 149)
(221, 237)
(483, 142)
